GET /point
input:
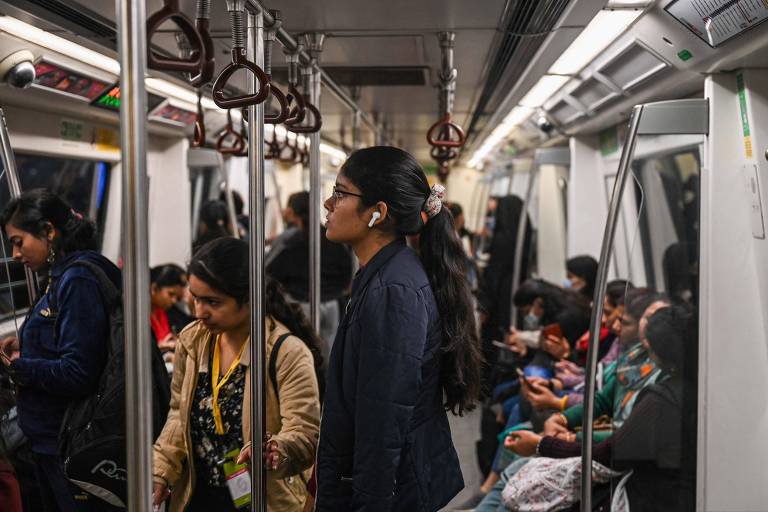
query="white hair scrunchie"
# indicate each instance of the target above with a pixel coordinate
(434, 202)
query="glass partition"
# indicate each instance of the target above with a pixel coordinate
(639, 423)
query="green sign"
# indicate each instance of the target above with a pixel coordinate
(684, 55)
(71, 130)
(744, 115)
(609, 141)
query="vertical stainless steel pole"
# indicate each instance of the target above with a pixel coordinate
(255, 53)
(14, 187)
(517, 270)
(314, 44)
(597, 306)
(131, 17)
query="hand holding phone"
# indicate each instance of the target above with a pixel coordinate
(525, 380)
(552, 330)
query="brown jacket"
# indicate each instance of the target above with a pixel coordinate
(295, 420)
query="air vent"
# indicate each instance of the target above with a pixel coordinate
(73, 16)
(379, 76)
(632, 65)
(593, 94)
(564, 113)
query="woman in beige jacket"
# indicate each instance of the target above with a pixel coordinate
(209, 418)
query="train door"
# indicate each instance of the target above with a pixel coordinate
(651, 240)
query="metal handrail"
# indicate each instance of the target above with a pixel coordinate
(202, 24)
(597, 306)
(14, 187)
(196, 60)
(239, 61)
(132, 51)
(256, 240)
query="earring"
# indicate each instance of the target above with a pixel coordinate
(51, 255)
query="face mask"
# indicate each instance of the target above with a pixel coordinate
(567, 284)
(530, 322)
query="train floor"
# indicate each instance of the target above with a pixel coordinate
(466, 432)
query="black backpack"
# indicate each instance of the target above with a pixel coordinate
(272, 368)
(92, 440)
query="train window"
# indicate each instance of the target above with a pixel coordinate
(82, 183)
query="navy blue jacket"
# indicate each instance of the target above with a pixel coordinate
(53, 371)
(385, 442)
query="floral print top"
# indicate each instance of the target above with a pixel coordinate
(209, 447)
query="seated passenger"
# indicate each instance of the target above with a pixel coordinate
(633, 370)
(167, 284)
(541, 304)
(657, 442)
(56, 362)
(213, 223)
(288, 263)
(580, 275)
(209, 421)
(613, 307)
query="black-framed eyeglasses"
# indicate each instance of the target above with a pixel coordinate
(338, 195)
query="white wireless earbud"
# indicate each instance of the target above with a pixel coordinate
(376, 216)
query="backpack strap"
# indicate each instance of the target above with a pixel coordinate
(273, 362)
(108, 289)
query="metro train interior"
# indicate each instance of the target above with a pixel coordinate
(602, 160)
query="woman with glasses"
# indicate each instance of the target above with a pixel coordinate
(406, 350)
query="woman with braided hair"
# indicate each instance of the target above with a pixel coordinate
(406, 350)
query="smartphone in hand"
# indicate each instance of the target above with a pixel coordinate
(552, 330)
(521, 374)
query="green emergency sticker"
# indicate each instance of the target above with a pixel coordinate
(744, 114)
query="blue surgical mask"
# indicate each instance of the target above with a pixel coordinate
(530, 322)
(567, 284)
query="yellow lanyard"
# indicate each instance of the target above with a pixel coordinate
(217, 384)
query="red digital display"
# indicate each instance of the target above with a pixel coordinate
(177, 115)
(55, 77)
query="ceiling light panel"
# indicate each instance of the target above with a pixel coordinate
(543, 90)
(604, 28)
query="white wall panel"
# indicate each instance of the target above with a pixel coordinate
(734, 328)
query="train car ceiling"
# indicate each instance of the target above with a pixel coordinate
(655, 58)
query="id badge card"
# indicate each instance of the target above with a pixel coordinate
(238, 480)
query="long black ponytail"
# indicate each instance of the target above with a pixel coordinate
(393, 176)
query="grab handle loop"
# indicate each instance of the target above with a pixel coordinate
(273, 148)
(239, 61)
(299, 111)
(284, 111)
(223, 145)
(315, 126)
(198, 140)
(443, 154)
(445, 126)
(170, 11)
(243, 132)
(202, 24)
(291, 158)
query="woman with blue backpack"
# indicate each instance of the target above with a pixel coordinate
(61, 351)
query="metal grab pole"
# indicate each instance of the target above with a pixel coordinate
(314, 43)
(14, 187)
(256, 189)
(597, 307)
(517, 269)
(131, 19)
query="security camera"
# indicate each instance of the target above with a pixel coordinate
(18, 69)
(544, 124)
